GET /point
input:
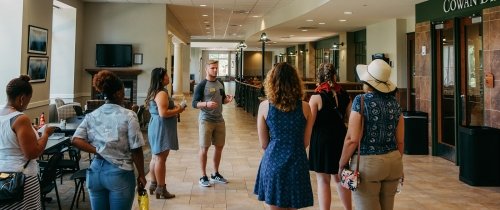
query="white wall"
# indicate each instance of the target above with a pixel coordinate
(11, 34)
(195, 65)
(389, 37)
(142, 25)
(63, 53)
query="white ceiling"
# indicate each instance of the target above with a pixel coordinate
(234, 20)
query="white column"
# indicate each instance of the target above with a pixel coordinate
(177, 81)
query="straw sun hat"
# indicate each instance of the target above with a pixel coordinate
(376, 74)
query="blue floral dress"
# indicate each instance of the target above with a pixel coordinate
(283, 177)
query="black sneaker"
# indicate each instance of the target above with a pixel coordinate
(218, 178)
(204, 182)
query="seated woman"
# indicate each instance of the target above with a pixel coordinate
(112, 133)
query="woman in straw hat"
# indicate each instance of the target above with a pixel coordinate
(380, 131)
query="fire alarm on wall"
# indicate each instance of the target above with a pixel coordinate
(489, 80)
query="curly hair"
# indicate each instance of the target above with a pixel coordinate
(326, 71)
(107, 83)
(19, 86)
(283, 87)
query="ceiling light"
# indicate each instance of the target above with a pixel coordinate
(347, 13)
(342, 20)
(203, 5)
(205, 15)
(234, 34)
(255, 16)
(206, 21)
(291, 35)
(304, 30)
(240, 25)
(208, 32)
(207, 28)
(309, 20)
(322, 23)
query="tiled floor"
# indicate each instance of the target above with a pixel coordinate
(430, 182)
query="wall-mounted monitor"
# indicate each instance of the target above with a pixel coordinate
(113, 55)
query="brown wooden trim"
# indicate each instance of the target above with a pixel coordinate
(124, 72)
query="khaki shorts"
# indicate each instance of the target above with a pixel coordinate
(379, 180)
(211, 133)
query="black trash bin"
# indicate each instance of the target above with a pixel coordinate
(479, 156)
(416, 133)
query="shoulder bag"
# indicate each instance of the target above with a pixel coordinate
(348, 178)
(12, 186)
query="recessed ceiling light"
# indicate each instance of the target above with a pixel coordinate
(304, 30)
(275, 42)
(309, 20)
(255, 16)
(347, 13)
(208, 32)
(207, 28)
(206, 21)
(205, 15)
(322, 23)
(342, 20)
(234, 34)
(203, 5)
(291, 35)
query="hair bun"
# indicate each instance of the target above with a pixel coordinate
(25, 78)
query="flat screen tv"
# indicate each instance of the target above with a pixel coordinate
(113, 55)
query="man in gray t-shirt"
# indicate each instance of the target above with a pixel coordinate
(209, 96)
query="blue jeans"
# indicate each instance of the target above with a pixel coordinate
(110, 187)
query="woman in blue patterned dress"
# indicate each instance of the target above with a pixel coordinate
(381, 138)
(162, 130)
(284, 126)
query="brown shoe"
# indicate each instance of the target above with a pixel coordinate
(152, 187)
(162, 192)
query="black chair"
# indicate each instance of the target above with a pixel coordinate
(79, 178)
(72, 164)
(48, 178)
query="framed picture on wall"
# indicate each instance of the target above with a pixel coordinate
(37, 68)
(37, 40)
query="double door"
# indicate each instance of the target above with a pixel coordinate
(459, 80)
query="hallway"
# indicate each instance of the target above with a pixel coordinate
(430, 182)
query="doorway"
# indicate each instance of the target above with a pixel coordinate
(459, 79)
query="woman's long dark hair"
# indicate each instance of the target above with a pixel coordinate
(156, 84)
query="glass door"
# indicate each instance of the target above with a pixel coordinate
(472, 87)
(446, 82)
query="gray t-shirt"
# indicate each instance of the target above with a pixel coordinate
(212, 92)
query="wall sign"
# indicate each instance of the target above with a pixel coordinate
(455, 5)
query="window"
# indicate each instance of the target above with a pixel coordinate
(223, 58)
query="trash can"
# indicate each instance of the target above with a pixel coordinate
(479, 156)
(416, 133)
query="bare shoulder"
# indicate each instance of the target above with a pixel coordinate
(306, 108)
(264, 105)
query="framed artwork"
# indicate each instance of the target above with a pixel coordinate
(37, 68)
(37, 40)
(137, 58)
